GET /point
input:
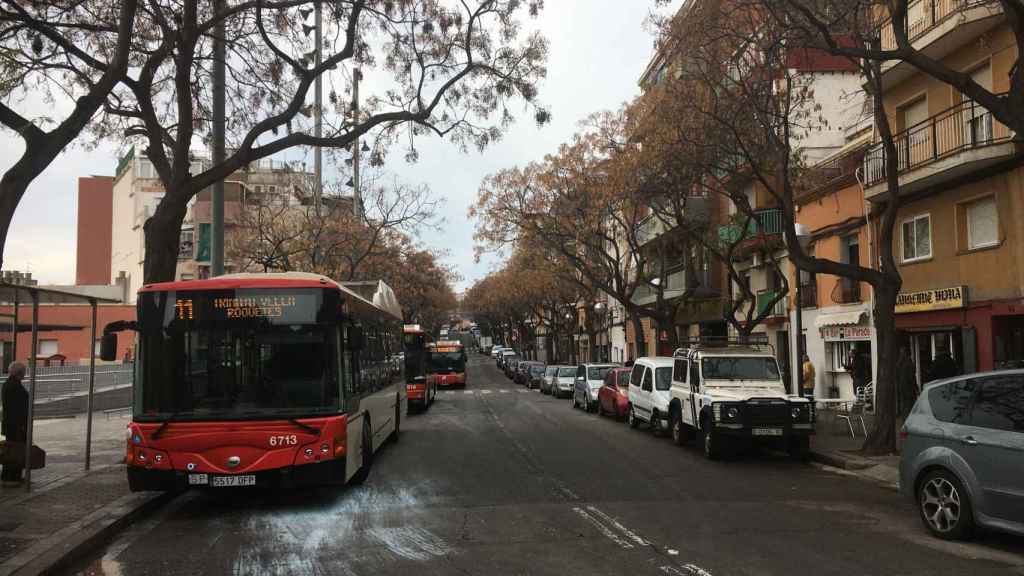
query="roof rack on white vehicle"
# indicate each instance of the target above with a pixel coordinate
(756, 342)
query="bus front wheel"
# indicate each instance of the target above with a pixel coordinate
(367, 452)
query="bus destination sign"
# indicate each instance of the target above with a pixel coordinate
(270, 306)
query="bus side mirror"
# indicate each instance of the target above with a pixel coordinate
(108, 347)
(356, 338)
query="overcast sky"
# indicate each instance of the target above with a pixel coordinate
(599, 48)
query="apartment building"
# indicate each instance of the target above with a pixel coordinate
(137, 191)
(958, 242)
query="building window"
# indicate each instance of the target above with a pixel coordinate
(982, 223)
(917, 238)
(48, 348)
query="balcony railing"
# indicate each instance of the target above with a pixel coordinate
(809, 296)
(764, 299)
(923, 16)
(765, 222)
(674, 286)
(847, 291)
(962, 127)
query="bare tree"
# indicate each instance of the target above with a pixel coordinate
(442, 68)
(70, 54)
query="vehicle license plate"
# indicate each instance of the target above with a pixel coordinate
(226, 481)
(767, 432)
(198, 479)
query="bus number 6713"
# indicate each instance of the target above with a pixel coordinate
(284, 440)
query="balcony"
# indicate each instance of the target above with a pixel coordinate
(765, 298)
(809, 296)
(764, 223)
(957, 141)
(658, 223)
(937, 28)
(847, 291)
(645, 294)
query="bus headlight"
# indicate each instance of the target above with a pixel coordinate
(325, 449)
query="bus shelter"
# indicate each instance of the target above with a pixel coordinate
(16, 295)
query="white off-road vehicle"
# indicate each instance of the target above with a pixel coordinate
(729, 394)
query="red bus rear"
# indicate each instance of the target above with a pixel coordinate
(447, 364)
(274, 379)
(420, 391)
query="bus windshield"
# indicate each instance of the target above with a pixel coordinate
(448, 361)
(236, 354)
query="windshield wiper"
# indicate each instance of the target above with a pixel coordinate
(311, 429)
(163, 425)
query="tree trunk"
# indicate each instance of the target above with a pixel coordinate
(638, 334)
(12, 189)
(882, 437)
(163, 233)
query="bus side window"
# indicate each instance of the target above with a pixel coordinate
(344, 380)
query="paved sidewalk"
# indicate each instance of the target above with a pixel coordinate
(833, 445)
(69, 511)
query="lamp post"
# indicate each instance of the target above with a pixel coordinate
(804, 238)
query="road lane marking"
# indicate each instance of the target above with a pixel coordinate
(503, 391)
(486, 391)
(629, 533)
(468, 391)
(521, 391)
(602, 528)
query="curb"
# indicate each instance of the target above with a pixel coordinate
(839, 460)
(72, 543)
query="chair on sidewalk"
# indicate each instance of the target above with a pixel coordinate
(855, 409)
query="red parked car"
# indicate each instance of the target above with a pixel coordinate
(613, 397)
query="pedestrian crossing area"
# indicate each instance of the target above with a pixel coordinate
(485, 391)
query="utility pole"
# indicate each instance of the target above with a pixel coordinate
(318, 129)
(217, 199)
(357, 197)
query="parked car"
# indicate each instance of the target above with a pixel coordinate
(503, 360)
(565, 381)
(546, 381)
(613, 397)
(589, 379)
(727, 394)
(650, 385)
(496, 351)
(522, 375)
(536, 374)
(962, 461)
(511, 365)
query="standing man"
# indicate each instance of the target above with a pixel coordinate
(906, 374)
(15, 419)
(808, 376)
(859, 367)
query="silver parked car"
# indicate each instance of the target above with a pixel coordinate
(963, 454)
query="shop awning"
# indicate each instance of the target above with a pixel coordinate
(839, 319)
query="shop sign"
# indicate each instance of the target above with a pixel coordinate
(834, 333)
(938, 299)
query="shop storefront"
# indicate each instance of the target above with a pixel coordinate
(846, 341)
(942, 333)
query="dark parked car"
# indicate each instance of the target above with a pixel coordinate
(511, 365)
(522, 374)
(536, 374)
(963, 454)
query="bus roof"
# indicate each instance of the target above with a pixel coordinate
(269, 280)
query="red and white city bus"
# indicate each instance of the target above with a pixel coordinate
(447, 363)
(420, 391)
(262, 379)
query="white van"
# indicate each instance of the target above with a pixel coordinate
(650, 392)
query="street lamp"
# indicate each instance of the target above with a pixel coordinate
(803, 236)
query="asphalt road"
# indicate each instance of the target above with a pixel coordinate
(499, 480)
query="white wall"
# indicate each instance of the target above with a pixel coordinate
(834, 92)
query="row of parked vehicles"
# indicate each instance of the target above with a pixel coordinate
(725, 395)
(962, 457)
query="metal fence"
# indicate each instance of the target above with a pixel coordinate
(57, 382)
